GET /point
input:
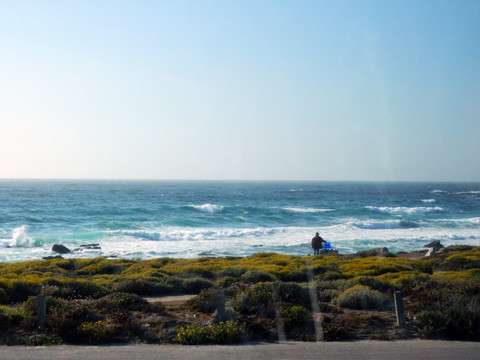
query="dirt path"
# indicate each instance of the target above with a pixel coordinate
(170, 301)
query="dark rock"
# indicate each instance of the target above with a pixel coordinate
(206, 253)
(434, 244)
(61, 249)
(52, 257)
(328, 251)
(88, 247)
(373, 252)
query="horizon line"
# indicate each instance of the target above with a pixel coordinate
(231, 180)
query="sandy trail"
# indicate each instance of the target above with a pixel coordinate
(170, 301)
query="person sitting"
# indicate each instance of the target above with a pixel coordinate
(317, 244)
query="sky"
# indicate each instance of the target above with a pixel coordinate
(240, 90)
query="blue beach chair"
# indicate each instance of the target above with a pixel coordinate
(327, 247)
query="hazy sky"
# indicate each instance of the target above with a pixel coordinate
(274, 90)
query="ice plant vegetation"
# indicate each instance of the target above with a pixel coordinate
(260, 297)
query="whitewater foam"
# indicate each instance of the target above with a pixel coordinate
(19, 238)
(306, 210)
(403, 210)
(438, 191)
(386, 224)
(196, 234)
(465, 222)
(154, 219)
(209, 208)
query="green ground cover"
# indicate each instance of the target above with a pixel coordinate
(267, 296)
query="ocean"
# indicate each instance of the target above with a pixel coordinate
(189, 219)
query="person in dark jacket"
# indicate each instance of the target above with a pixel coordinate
(317, 244)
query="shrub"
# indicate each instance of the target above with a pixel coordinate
(195, 285)
(233, 271)
(227, 332)
(66, 316)
(11, 317)
(4, 298)
(223, 282)
(431, 323)
(257, 300)
(43, 340)
(73, 289)
(191, 335)
(291, 292)
(123, 323)
(141, 286)
(222, 333)
(205, 302)
(94, 332)
(340, 285)
(361, 297)
(374, 283)
(459, 261)
(295, 315)
(328, 294)
(455, 322)
(19, 290)
(331, 275)
(101, 267)
(65, 264)
(123, 301)
(423, 266)
(256, 276)
(175, 285)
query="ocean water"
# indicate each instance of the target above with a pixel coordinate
(188, 219)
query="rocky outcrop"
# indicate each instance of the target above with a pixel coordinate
(61, 249)
(88, 247)
(381, 251)
(433, 248)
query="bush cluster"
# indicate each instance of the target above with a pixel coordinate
(98, 300)
(295, 315)
(94, 332)
(227, 332)
(362, 298)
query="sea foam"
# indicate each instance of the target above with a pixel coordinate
(403, 210)
(209, 208)
(20, 238)
(306, 210)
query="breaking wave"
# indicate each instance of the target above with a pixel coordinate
(438, 191)
(19, 238)
(402, 210)
(208, 208)
(306, 210)
(384, 225)
(200, 234)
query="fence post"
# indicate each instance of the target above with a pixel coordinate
(41, 310)
(399, 310)
(221, 307)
